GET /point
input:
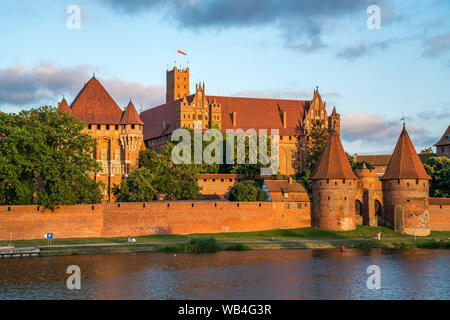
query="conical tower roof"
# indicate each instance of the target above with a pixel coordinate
(130, 115)
(94, 105)
(333, 163)
(64, 106)
(405, 162)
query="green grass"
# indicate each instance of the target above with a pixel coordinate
(364, 232)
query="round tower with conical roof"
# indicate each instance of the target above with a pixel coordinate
(334, 188)
(404, 182)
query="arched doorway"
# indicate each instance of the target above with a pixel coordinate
(379, 213)
(358, 208)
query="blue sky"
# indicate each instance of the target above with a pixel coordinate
(258, 48)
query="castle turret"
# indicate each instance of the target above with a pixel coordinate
(64, 106)
(131, 138)
(405, 189)
(370, 187)
(334, 121)
(334, 188)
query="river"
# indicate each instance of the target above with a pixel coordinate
(257, 274)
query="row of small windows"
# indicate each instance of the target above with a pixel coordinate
(221, 180)
(107, 126)
(335, 183)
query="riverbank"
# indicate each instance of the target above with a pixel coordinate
(303, 238)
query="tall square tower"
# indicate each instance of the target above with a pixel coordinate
(177, 84)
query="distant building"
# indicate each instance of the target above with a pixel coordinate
(443, 145)
(293, 118)
(380, 162)
(118, 133)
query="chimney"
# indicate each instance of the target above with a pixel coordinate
(233, 115)
(284, 119)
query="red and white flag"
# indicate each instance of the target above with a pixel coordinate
(182, 52)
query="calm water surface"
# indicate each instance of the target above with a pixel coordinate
(271, 274)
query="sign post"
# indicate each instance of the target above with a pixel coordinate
(49, 237)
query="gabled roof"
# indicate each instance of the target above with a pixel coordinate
(405, 163)
(333, 163)
(64, 106)
(130, 115)
(445, 140)
(94, 105)
(279, 188)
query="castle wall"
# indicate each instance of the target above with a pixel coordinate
(439, 209)
(217, 185)
(138, 219)
(334, 204)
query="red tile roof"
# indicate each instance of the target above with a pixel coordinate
(64, 106)
(445, 140)
(268, 111)
(255, 113)
(333, 163)
(405, 163)
(130, 115)
(278, 188)
(94, 105)
(155, 119)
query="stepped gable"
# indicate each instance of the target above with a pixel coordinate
(405, 162)
(333, 163)
(130, 116)
(94, 105)
(64, 106)
(445, 140)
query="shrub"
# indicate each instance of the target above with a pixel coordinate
(195, 245)
(238, 247)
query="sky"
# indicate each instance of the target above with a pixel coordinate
(253, 48)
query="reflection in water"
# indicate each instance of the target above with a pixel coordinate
(271, 274)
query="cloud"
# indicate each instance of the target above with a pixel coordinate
(301, 22)
(46, 83)
(437, 45)
(378, 131)
(283, 94)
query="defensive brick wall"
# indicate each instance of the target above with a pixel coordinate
(439, 209)
(138, 219)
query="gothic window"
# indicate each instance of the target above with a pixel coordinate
(99, 126)
(90, 126)
(107, 127)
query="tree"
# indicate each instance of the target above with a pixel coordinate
(176, 182)
(46, 158)
(439, 170)
(137, 187)
(247, 191)
(359, 164)
(427, 150)
(316, 143)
